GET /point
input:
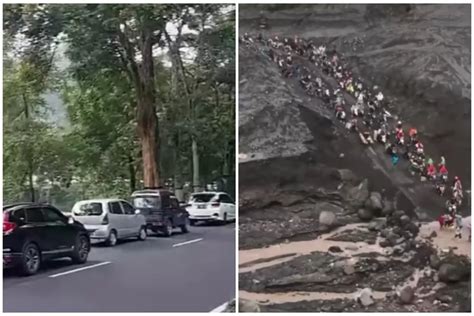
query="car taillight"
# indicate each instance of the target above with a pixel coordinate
(105, 221)
(8, 226)
(215, 204)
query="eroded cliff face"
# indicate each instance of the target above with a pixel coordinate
(419, 55)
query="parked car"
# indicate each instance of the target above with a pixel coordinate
(110, 220)
(34, 233)
(210, 206)
(162, 211)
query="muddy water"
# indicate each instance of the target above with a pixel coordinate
(291, 297)
(305, 247)
(443, 242)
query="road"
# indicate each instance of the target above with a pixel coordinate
(192, 272)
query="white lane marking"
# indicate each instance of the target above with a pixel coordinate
(220, 308)
(187, 242)
(79, 269)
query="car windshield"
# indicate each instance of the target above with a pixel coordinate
(202, 198)
(87, 209)
(146, 202)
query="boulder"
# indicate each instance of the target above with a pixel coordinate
(373, 226)
(359, 194)
(407, 294)
(385, 232)
(435, 261)
(335, 249)
(388, 208)
(365, 214)
(346, 175)
(349, 269)
(327, 218)
(412, 228)
(384, 243)
(445, 299)
(393, 238)
(365, 297)
(248, 306)
(451, 272)
(374, 202)
(404, 220)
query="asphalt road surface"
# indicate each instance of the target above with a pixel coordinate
(192, 272)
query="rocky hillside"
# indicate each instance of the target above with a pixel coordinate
(344, 211)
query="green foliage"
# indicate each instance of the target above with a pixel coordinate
(100, 154)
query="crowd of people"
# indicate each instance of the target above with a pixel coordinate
(362, 110)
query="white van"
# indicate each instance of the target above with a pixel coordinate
(110, 220)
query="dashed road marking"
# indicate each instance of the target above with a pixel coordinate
(187, 242)
(220, 308)
(80, 269)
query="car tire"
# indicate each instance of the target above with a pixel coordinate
(142, 234)
(168, 229)
(81, 249)
(30, 259)
(192, 222)
(112, 240)
(184, 227)
(224, 220)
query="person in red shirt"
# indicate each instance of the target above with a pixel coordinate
(431, 170)
(400, 136)
(443, 173)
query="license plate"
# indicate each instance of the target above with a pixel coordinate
(201, 206)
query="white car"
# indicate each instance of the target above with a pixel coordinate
(110, 220)
(210, 206)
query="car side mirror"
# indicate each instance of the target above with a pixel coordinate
(137, 212)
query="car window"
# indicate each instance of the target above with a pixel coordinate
(52, 216)
(224, 198)
(147, 201)
(19, 215)
(34, 215)
(87, 209)
(174, 203)
(202, 197)
(114, 208)
(127, 208)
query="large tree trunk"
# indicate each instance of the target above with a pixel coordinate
(29, 159)
(143, 77)
(148, 144)
(196, 181)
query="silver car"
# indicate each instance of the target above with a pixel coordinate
(110, 220)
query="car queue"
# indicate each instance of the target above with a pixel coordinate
(34, 232)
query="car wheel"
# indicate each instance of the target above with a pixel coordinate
(142, 234)
(224, 220)
(30, 260)
(112, 240)
(168, 229)
(184, 227)
(81, 249)
(192, 222)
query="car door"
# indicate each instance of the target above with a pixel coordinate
(116, 218)
(37, 229)
(179, 217)
(64, 234)
(229, 205)
(132, 221)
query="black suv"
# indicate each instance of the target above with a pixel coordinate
(161, 210)
(33, 233)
